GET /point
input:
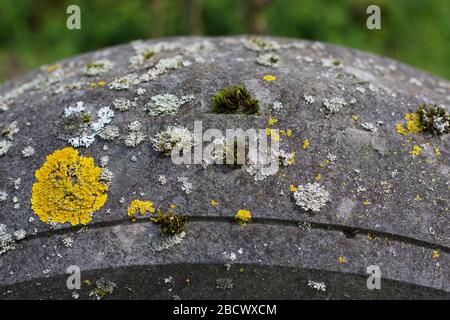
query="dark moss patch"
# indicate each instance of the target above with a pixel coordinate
(234, 100)
(170, 223)
(434, 119)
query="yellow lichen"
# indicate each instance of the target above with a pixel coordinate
(273, 134)
(415, 151)
(355, 117)
(401, 129)
(272, 121)
(342, 260)
(318, 177)
(269, 77)
(214, 203)
(292, 188)
(243, 216)
(413, 122)
(366, 203)
(306, 144)
(139, 206)
(435, 254)
(437, 151)
(68, 188)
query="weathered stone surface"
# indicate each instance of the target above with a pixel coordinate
(387, 207)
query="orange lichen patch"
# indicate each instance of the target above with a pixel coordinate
(269, 77)
(139, 206)
(68, 188)
(242, 216)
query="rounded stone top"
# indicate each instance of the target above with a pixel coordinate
(361, 180)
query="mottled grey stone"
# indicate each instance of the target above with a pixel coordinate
(387, 207)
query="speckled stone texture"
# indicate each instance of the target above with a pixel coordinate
(387, 207)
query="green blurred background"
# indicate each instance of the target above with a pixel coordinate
(33, 32)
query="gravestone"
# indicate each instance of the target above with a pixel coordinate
(363, 184)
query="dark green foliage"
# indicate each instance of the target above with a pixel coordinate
(169, 223)
(235, 99)
(434, 119)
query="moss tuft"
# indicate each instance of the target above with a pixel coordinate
(170, 223)
(434, 119)
(235, 99)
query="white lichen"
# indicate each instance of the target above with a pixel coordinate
(309, 99)
(124, 82)
(161, 241)
(311, 196)
(319, 286)
(67, 242)
(98, 67)
(162, 179)
(334, 104)
(76, 109)
(4, 147)
(123, 104)
(166, 104)
(277, 106)
(19, 234)
(28, 152)
(3, 196)
(268, 60)
(11, 130)
(165, 141)
(165, 65)
(109, 133)
(136, 135)
(186, 186)
(7, 241)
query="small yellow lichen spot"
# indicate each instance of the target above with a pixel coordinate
(415, 151)
(87, 282)
(371, 236)
(401, 129)
(291, 160)
(273, 134)
(68, 188)
(269, 77)
(292, 188)
(214, 203)
(355, 117)
(243, 216)
(418, 198)
(318, 177)
(306, 144)
(435, 254)
(342, 260)
(172, 206)
(366, 203)
(437, 151)
(413, 122)
(272, 121)
(53, 67)
(139, 206)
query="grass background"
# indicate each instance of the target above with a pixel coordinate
(33, 32)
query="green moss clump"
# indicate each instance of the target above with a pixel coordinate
(235, 99)
(170, 223)
(434, 119)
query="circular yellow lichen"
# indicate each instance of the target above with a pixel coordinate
(243, 216)
(68, 188)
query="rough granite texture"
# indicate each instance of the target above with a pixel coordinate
(387, 207)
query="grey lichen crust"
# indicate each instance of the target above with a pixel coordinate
(361, 180)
